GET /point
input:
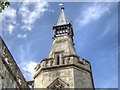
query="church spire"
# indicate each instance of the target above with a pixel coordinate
(62, 19)
(63, 27)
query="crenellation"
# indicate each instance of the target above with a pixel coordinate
(37, 67)
(87, 64)
(67, 60)
(43, 64)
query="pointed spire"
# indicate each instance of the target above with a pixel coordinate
(62, 19)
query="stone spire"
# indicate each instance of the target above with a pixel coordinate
(63, 27)
(62, 19)
(63, 43)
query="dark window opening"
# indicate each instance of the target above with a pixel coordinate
(68, 61)
(58, 59)
(63, 61)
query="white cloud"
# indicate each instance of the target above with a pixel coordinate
(92, 13)
(51, 10)
(28, 69)
(10, 29)
(22, 36)
(9, 12)
(30, 16)
(29, 11)
(9, 19)
(25, 59)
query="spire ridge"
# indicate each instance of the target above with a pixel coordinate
(62, 18)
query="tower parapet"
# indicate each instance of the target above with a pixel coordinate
(72, 60)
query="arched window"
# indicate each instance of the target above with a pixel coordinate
(60, 31)
(66, 31)
(63, 31)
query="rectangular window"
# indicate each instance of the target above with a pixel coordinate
(57, 59)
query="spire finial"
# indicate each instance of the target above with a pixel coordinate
(62, 5)
(62, 19)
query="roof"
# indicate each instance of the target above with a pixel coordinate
(62, 18)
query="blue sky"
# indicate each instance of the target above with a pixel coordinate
(27, 31)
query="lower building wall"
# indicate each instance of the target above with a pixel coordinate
(82, 79)
(10, 74)
(6, 79)
(73, 76)
(46, 77)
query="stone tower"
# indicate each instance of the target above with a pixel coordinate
(63, 67)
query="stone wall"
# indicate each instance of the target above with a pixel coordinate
(10, 74)
(62, 44)
(76, 73)
(6, 78)
(82, 79)
(46, 77)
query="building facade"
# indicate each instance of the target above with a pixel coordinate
(10, 74)
(63, 67)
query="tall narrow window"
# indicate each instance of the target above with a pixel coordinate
(63, 61)
(68, 62)
(58, 59)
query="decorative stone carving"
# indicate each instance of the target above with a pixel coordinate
(58, 84)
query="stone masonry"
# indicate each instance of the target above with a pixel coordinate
(10, 74)
(63, 68)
